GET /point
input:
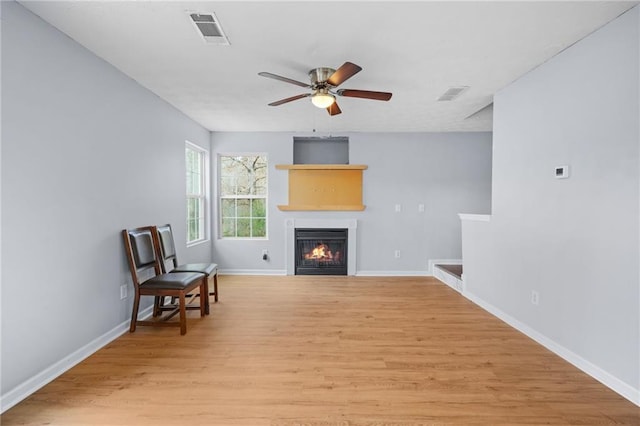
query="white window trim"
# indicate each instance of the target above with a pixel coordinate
(206, 186)
(218, 195)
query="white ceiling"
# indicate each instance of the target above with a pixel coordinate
(416, 50)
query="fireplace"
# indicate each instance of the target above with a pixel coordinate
(291, 224)
(321, 251)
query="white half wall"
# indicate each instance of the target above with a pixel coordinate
(574, 241)
(86, 152)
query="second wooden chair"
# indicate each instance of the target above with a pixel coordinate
(167, 253)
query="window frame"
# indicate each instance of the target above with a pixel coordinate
(220, 197)
(203, 196)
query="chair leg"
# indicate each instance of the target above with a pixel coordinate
(215, 287)
(134, 313)
(204, 301)
(183, 314)
(156, 305)
(204, 294)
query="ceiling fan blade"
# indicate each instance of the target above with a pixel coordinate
(342, 74)
(293, 98)
(334, 109)
(365, 94)
(285, 79)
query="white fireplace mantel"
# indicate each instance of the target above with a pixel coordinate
(292, 224)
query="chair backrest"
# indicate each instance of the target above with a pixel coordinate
(140, 245)
(167, 248)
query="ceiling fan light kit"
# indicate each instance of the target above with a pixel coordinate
(322, 99)
(323, 81)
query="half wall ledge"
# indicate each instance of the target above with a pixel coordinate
(475, 217)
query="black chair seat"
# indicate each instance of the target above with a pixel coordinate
(204, 268)
(175, 281)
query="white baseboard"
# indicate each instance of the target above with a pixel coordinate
(252, 272)
(612, 382)
(358, 273)
(393, 274)
(47, 375)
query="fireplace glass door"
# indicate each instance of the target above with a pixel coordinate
(321, 251)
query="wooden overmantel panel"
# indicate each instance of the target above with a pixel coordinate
(324, 187)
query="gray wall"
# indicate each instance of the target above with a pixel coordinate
(447, 172)
(575, 240)
(86, 152)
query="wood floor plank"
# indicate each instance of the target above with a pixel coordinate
(327, 351)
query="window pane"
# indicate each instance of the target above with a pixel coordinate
(195, 220)
(259, 227)
(228, 185)
(193, 208)
(243, 208)
(197, 163)
(244, 185)
(194, 184)
(244, 227)
(190, 209)
(228, 207)
(193, 230)
(258, 207)
(260, 188)
(228, 227)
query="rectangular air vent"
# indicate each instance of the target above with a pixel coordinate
(209, 28)
(452, 93)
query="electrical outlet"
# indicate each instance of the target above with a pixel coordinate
(123, 292)
(562, 172)
(397, 254)
(265, 254)
(398, 208)
(535, 297)
(421, 208)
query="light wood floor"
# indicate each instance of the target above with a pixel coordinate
(327, 351)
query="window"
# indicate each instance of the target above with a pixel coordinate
(243, 196)
(196, 162)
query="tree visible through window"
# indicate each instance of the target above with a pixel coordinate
(243, 196)
(196, 193)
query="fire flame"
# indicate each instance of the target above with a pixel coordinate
(321, 251)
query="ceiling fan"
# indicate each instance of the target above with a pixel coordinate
(323, 84)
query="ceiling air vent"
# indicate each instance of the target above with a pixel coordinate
(452, 93)
(209, 28)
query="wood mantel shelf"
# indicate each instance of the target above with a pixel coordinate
(290, 207)
(324, 187)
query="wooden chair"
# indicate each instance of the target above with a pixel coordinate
(167, 252)
(141, 247)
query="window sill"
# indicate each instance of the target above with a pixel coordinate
(244, 238)
(196, 243)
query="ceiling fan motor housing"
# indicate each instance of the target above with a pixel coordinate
(319, 77)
